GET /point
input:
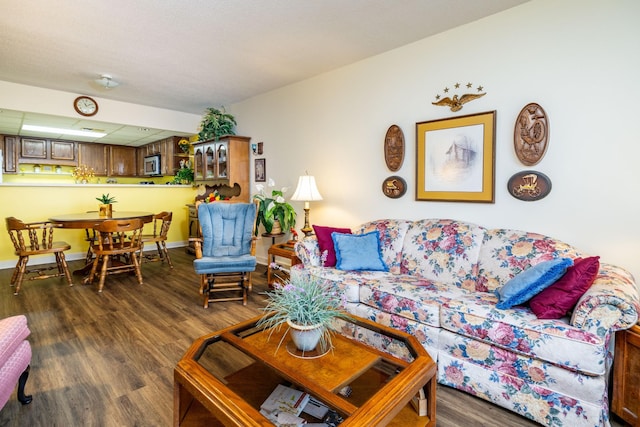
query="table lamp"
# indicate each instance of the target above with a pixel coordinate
(306, 191)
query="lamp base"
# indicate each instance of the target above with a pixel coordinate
(307, 230)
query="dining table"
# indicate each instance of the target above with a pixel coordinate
(87, 220)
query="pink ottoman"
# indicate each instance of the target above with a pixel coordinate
(15, 357)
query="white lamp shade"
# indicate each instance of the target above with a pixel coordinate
(306, 190)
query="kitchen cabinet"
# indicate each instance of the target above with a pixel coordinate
(122, 161)
(10, 154)
(170, 155)
(45, 151)
(224, 161)
(93, 155)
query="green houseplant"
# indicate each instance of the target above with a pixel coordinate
(303, 303)
(105, 207)
(216, 123)
(184, 175)
(274, 209)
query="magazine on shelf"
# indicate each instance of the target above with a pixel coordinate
(284, 400)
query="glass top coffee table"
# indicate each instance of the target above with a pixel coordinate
(224, 377)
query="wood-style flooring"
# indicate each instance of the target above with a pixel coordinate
(107, 359)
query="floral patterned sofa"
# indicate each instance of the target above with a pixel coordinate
(440, 288)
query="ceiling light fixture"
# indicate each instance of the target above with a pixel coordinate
(61, 131)
(106, 81)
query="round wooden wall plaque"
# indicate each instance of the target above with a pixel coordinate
(531, 134)
(394, 148)
(529, 186)
(394, 187)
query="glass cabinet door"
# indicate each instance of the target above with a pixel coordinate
(221, 160)
(198, 163)
(210, 162)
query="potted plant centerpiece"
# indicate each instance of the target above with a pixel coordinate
(216, 123)
(274, 212)
(307, 306)
(106, 204)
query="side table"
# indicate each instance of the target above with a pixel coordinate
(282, 250)
(626, 376)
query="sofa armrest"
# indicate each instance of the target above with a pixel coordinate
(612, 303)
(308, 251)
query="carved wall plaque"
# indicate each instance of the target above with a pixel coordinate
(394, 187)
(394, 148)
(531, 134)
(529, 186)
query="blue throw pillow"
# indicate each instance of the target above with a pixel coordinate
(532, 281)
(358, 251)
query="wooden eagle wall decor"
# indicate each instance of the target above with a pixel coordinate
(456, 101)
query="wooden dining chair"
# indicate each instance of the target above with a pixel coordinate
(36, 238)
(117, 247)
(161, 224)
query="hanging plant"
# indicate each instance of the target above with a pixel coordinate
(216, 123)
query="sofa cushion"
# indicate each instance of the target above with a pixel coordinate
(507, 253)
(325, 242)
(519, 330)
(532, 281)
(392, 234)
(558, 299)
(444, 251)
(358, 252)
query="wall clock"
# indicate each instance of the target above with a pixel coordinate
(85, 106)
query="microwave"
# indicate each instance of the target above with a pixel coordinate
(152, 165)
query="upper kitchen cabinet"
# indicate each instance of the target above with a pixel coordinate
(170, 155)
(45, 151)
(93, 155)
(224, 161)
(122, 161)
(10, 153)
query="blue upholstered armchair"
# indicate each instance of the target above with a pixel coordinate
(225, 252)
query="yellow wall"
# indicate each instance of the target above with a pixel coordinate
(30, 202)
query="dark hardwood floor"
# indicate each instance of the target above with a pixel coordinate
(107, 359)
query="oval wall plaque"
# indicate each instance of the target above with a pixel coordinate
(394, 187)
(531, 134)
(394, 148)
(529, 186)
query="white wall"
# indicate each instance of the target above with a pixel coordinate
(577, 58)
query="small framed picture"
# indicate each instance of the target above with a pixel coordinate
(260, 170)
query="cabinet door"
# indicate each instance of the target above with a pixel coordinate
(10, 154)
(221, 160)
(209, 161)
(122, 161)
(33, 148)
(198, 163)
(63, 150)
(94, 156)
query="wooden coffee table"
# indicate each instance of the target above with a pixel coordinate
(225, 376)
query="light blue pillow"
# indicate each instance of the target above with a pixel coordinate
(358, 251)
(531, 282)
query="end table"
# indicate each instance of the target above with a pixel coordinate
(282, 250)
(626, 376)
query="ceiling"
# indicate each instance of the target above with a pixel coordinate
(190, 55)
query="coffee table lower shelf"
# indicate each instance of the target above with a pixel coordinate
(195, 414)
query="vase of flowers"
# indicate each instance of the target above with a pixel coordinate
(307, 306)
(274, 208)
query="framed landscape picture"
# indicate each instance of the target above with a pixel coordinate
(455, 159)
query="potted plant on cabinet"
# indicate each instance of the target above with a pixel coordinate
(106, 204)
(216, 123)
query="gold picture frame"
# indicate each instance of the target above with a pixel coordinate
(455, 159)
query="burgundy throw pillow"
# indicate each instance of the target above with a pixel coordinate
(558, 299)
(325, 242)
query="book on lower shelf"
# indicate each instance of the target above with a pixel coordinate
(284, 404)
